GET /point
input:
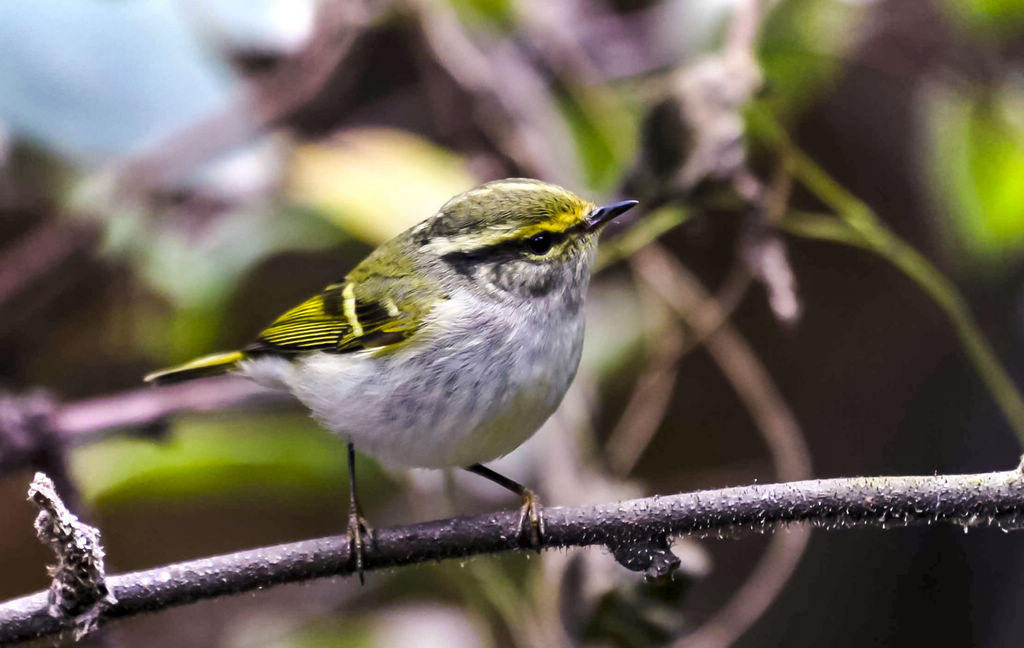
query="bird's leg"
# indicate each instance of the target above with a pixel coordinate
(357, 526)
(531, 522)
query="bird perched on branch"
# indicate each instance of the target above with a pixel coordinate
(449, 345)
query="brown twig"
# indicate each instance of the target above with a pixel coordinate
(266, 101)
(39, 252)
(513, 104)
(683, 292)
(744, 28)
(650, 398)
(149, 405)
(653, 389)
(35, 431)
(680, 289)
(28, 438)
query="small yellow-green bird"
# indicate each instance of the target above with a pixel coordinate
(449, 345)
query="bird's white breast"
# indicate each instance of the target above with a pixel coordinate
(470, 386)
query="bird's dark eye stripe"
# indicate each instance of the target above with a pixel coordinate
(464, 261)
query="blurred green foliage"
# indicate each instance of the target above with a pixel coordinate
(487, 13)
(604, 129)
(975, 163)
(337, 633)
(1000, 19)
(281, 455)
(801, 50)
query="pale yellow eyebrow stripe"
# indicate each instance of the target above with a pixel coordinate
(559, 223)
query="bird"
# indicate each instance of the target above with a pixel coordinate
(449, 345)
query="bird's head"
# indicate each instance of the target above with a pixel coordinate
(519, 237)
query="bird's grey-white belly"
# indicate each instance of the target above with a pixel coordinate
(466, 395)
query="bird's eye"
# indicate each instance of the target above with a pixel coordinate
(539, 243)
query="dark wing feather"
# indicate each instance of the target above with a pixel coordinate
(338, 319)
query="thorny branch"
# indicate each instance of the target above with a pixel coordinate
(990, 499)
(79, 591)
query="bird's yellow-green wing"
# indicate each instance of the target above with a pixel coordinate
(208, 365)
(373, 312)
(344, 317)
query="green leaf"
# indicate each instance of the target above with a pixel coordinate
(486, 13)
(975, 158)
(604, 130)
(802, 46)
(282, 454)
(376, 182)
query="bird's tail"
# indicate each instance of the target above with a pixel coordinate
(209, 365)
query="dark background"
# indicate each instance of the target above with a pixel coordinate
(109, 270)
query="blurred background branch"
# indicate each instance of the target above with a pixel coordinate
(857, 224)
(267, 99)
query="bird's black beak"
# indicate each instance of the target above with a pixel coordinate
(603, 215)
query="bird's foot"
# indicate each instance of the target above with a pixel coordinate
(531, 521)
(358, 532)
